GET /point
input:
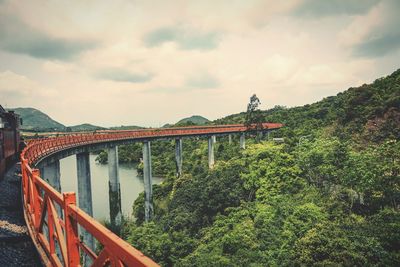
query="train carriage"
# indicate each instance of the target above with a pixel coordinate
(9, 138)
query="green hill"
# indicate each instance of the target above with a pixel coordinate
(193, 120)
(331, 199)
(34, 119)
(85, 127)
(125, 127)
(370, 112)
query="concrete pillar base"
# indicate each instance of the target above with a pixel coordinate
(211, 160)
(147, 179)
(51, 174)
(114, 191)
(178, 156)
(85, 195)
(242, 141)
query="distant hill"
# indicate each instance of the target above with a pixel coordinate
(370, 112)
(125, 127)
(194, 120)
(34, 119)
(85, 127)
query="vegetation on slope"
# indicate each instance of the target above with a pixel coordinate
(366, 113)
(195, 119)
(328, 196)
(34, 119)
(84, 127)
(190, 121)
(125, 127)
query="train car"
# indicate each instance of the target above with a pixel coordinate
(10, 141)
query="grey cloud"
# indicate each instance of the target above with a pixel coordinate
(121, 75)
(186, 39)
(321, 8)
(202, 81)
(378, 47)
(17, 37)
(160, 36)
(385, 37)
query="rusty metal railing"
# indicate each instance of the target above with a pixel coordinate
(53, 218)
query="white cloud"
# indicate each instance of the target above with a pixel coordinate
(18, 90)
(376, 33)
(258, 47)
(57, 67)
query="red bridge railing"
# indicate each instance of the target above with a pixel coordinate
(53, 218)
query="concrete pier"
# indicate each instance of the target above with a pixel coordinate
(178, 156)
(147, 178)
(114, 190)
(260, 136)
(211, 160)
(85, 195)
(214, 139)
(51, 174)
(230, 139)
(242, 141)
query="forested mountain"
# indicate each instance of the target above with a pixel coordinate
(126, 127)
(34, 119)
(371, 112)
(328, 196)
(189, 121)
(85, 127)
(195, 119)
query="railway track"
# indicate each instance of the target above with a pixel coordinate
(16, 247)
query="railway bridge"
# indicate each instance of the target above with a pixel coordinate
(63, 231)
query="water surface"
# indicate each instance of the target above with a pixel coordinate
(131, 185)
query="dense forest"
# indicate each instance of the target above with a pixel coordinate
(328, 196)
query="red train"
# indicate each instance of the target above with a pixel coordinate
(10, 140)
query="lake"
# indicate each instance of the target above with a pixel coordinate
(131, 185)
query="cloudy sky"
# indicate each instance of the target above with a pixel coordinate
(153, 62)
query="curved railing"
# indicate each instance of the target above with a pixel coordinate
(53, 218)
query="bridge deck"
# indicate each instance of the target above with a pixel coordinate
(44, 147)
(16, 246)
(41, 201)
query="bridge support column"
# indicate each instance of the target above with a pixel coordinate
(114, 190)
(230, 138)
(51, 174)
(147, 178)
(242, 141)
(214, 139)
(260, 136)
(85, 195)
(178, 156)
(211, 160)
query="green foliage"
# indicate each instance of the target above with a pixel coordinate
(322, 161)
(329, 196)
(253, 114)
(339, 244)
(385, 226)
(271, 172)
(370, 112)
(193, 120)
(34, 119)
(85, 127)
(152, 240)
(375, 171)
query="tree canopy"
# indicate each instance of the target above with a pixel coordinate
(330, 200)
